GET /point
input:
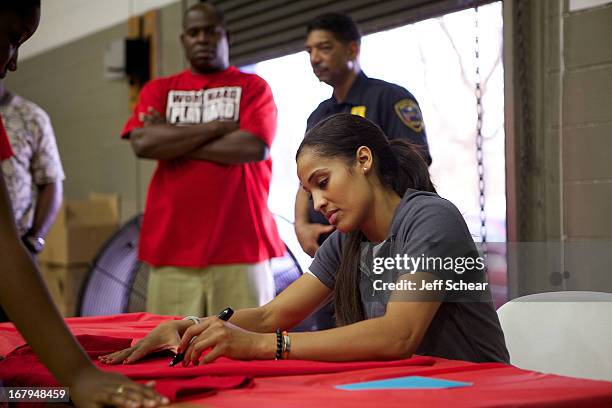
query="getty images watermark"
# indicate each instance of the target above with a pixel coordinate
(449, 271)
(438, 265)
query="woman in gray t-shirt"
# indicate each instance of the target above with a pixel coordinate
(402, 269)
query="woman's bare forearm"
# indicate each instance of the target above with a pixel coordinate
(254, 319)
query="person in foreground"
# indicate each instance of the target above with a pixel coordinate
(379, 196)
(23, 294)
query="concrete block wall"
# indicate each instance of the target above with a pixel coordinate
(564, 178)
(587, 148)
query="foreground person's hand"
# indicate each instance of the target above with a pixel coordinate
(93, 388)
(166, 336)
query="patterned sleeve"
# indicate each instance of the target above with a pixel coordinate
(46, 164)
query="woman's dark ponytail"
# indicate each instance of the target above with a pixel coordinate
(347, 299)
(399, 165)
(411, 172)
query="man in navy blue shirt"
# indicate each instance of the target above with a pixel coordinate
(333, 42)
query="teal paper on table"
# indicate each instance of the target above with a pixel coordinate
(404, 383)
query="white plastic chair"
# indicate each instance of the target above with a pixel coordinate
(565, 333)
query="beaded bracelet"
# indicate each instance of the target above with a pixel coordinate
(279, 345)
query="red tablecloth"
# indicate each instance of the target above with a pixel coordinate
(133, 325)
(494, 385)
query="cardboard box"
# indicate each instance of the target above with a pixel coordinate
(80, 230)
(64, 283)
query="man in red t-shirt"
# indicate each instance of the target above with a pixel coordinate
(207, 231)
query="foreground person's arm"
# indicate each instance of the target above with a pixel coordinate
(26, 301)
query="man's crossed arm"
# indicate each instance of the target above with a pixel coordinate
(217, 141)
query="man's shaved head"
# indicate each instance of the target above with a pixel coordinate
(208, 8)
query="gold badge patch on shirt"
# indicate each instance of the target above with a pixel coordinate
(358, 110)
(410, 114)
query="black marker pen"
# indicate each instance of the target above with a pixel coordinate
(224, 315)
